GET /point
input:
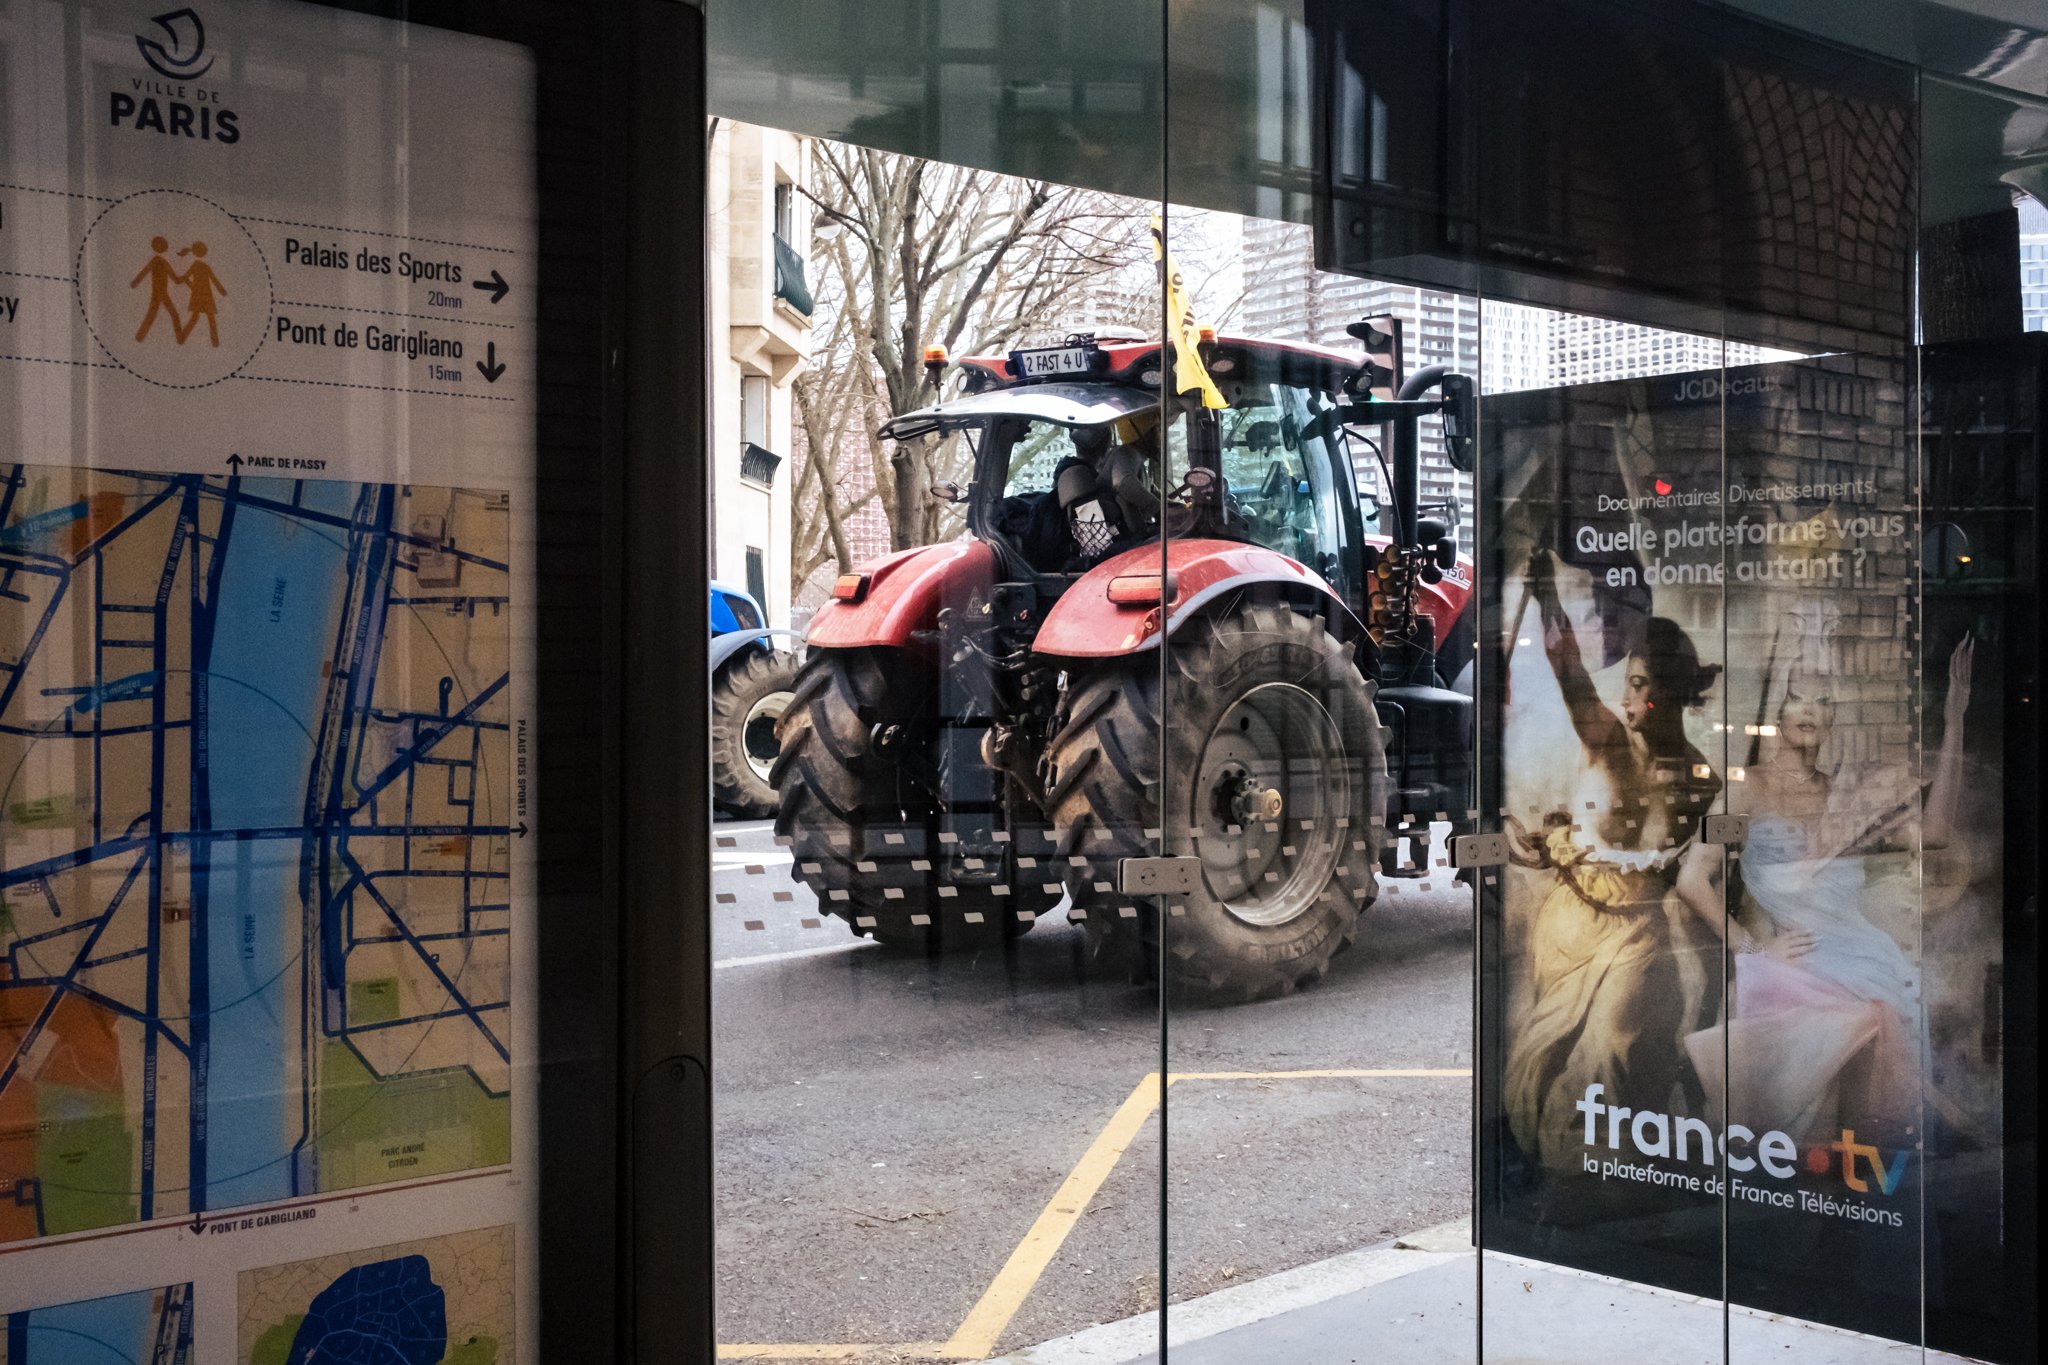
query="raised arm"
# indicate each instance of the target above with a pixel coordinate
(1597, 726)
(1945, 794)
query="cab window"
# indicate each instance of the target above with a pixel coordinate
(1279, 447)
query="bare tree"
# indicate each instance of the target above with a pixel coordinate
(913, 254)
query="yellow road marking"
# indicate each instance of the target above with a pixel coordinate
(977, 1337)
(1015, 1281)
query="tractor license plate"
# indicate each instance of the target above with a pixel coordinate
(1063, 360)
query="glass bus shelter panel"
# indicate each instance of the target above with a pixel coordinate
(1820, 1060)
(1980, 415)
(1601, 755)
(933, 1091)
(1819, 1068)
(1316, 971)
(1983, 417)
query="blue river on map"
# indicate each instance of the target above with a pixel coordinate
(281, 590)
(95, 1332)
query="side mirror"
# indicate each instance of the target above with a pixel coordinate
(1460, 421)
(948, 491)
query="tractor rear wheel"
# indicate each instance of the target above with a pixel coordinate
(1275, 780)
(748, 697)
(863, 831)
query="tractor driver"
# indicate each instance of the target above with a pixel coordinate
(1104, 489)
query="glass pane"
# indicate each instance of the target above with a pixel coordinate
(1983, 295)
(1820, 1061)
(1601, 949)
(1983, 413)
(1319, 973)
(937, 1084)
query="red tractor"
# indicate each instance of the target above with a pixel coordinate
(986, 725)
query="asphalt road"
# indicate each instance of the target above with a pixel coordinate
(891, 1128)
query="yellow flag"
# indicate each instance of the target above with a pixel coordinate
(1188, 370)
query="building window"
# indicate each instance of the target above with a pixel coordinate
(757, 573)
(754, 409)
(790, 285)
(757, 461)
(785, 211)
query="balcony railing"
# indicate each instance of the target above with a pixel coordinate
(758, 464)
(789, 278)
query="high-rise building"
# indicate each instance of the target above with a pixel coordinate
(2034, 264)
(1505, 346)
(1586, 350)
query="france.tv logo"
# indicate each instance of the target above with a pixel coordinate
(180, 61)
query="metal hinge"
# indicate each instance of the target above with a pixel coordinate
(1732, 830)
(1479, 850)
(1159, 876)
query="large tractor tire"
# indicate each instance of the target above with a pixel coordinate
(863, 830)
(1275, 780)
(748, 696)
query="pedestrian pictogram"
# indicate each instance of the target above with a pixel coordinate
(201, 286)
(200, 283)
(161, 275)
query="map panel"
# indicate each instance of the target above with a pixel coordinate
(419, 1303)
(256, 825)
(149, 1327)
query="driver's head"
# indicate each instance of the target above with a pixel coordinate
(1090, 443)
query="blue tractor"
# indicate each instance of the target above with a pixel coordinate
(752, 680)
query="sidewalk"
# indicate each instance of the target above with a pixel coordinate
(1415, 1303)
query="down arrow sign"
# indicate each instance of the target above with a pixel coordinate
(489, 367)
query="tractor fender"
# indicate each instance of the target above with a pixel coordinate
(902, 595)
(1086, 624)
(733, 642)
(1447, 600)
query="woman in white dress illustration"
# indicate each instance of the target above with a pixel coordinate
(1826, 1022)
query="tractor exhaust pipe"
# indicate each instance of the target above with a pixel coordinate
(1407, 460)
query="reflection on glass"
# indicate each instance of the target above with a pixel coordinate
(933, 1093)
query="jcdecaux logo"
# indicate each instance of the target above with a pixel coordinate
(176, 106)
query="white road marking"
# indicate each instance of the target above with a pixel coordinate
(759, 959)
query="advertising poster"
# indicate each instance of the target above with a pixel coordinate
(1710, 608)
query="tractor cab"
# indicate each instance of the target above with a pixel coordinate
(1077, 458)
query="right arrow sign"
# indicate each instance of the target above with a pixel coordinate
(489, 367)
(495, 286)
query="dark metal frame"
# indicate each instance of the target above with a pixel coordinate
(621, 772)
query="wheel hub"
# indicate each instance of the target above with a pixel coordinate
(1273, 793)
(757, 731)
(1252, 800)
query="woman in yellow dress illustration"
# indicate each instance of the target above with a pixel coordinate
(1606, 1004)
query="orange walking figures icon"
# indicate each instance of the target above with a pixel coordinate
(161, 277)
(200, 283)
